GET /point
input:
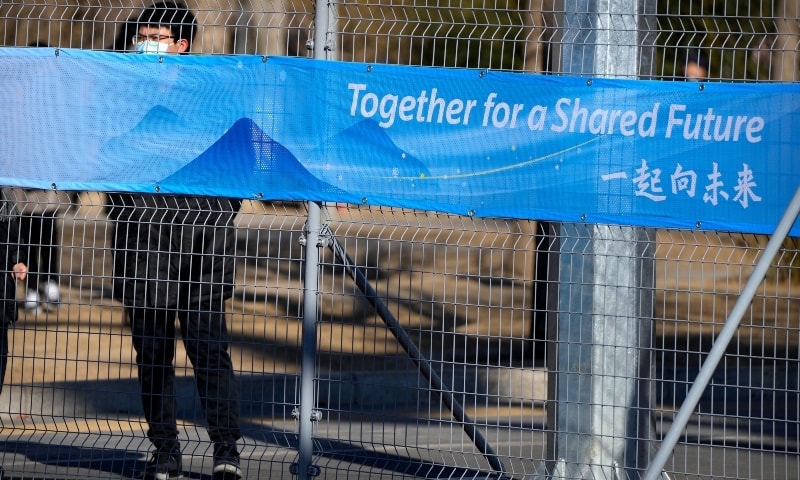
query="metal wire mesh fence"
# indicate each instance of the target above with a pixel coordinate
(753, 41)
(466, 384)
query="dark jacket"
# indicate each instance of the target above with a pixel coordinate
(12, 253)
(173, 251)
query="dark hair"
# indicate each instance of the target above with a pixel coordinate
(175, 16)
(124, 38)
(698, 57)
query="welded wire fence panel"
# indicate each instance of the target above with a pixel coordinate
(475, 296)
(463, 290)
(72, 407)
(746, 424)
(261, 27)
(736, 40)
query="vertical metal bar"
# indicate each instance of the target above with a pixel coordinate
(308, 364)
(601, 386)
(724, 338)
(308, 361)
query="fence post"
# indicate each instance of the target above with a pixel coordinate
(599, 413)
(305, 413)
(323, 46)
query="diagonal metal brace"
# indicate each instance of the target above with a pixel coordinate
(413, 351)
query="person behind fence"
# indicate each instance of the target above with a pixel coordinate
(695, 66)
(14, 256)
(174, 258)
(39, 211)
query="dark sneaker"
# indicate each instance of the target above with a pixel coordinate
(226, 462)
(163, 466)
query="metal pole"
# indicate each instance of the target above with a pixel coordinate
(601, 425)
(724, 338)
(323, 45)
(308, 361)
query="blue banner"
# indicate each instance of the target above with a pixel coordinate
(491, 144)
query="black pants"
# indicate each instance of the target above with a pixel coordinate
(205, 337)
(41, 231)
(3, 352)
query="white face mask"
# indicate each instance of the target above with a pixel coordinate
(149, 46)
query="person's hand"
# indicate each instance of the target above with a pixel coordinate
(19, 271)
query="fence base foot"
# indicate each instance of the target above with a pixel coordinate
(312, 471)
(588, 472)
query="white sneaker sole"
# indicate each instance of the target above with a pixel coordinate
(52, 293)
(227, 470)
(161, 476)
